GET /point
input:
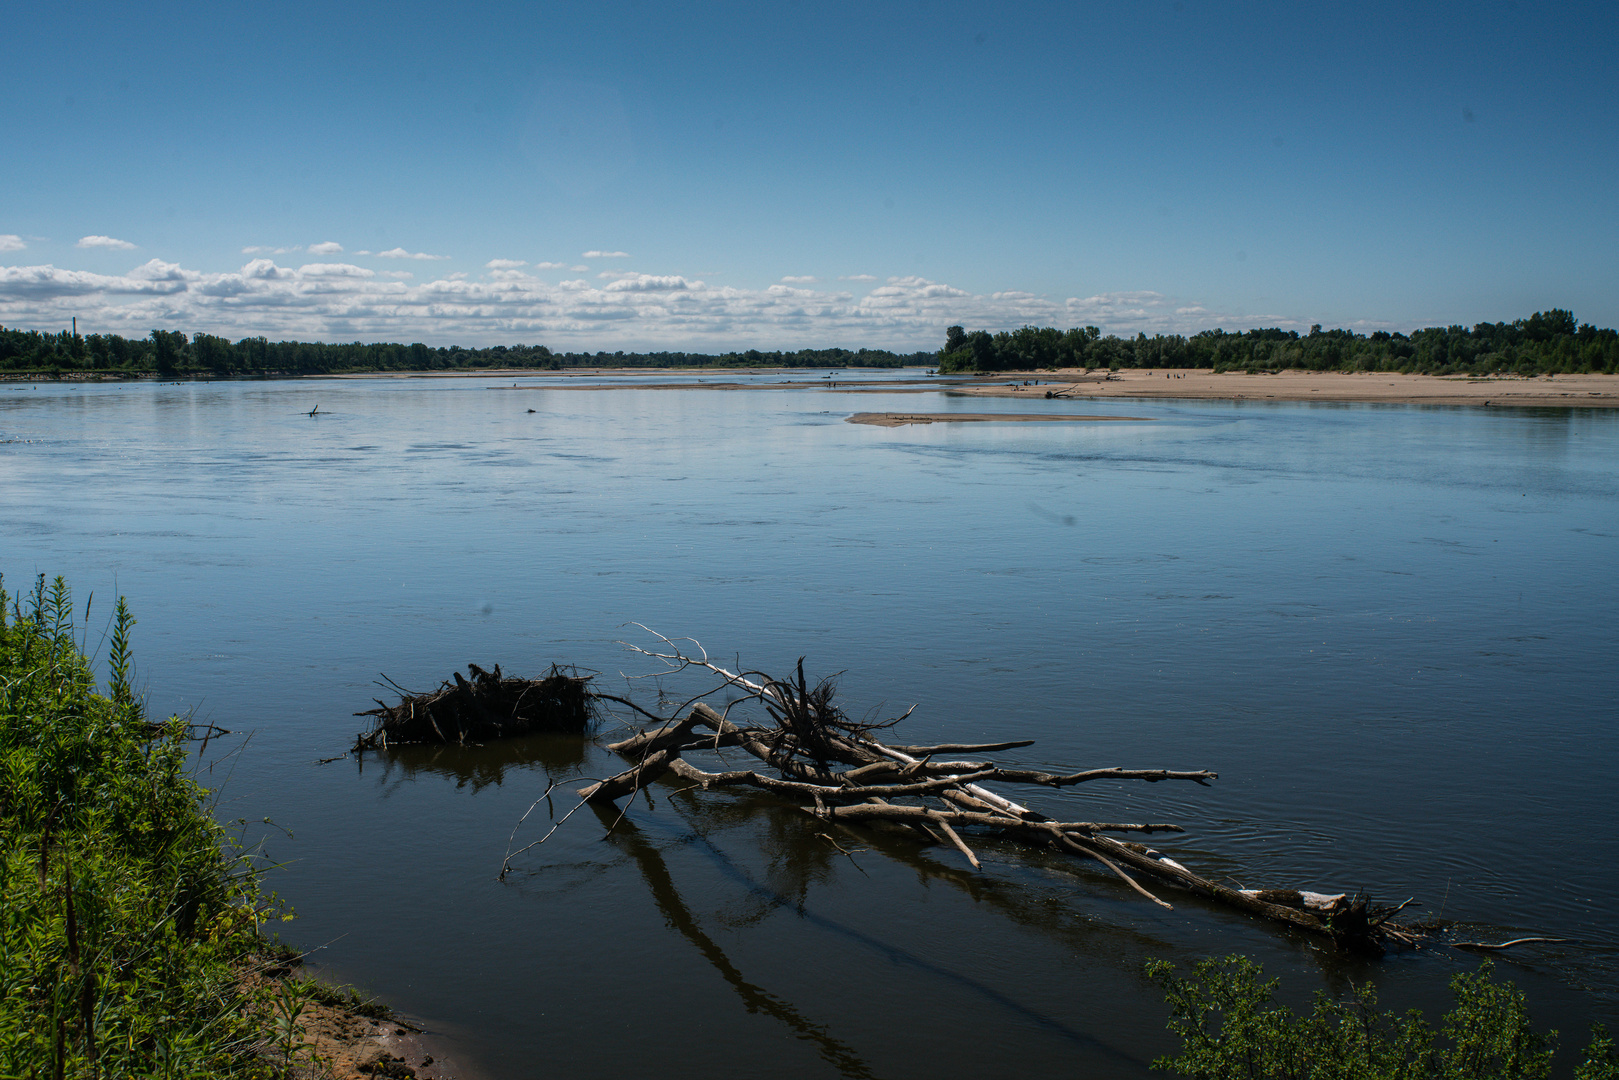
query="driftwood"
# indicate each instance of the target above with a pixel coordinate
(487, 706)
(1507, 944)
(837, 770)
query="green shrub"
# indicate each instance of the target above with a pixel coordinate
(1230, 1028)
(125, 910)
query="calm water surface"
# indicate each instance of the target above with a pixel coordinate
(1390, 629)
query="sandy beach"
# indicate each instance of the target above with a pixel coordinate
(1583, 391)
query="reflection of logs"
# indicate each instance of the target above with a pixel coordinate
(837, 770)
(756, 998)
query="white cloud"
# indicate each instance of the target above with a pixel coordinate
(335, 301)
(552, 266)
(158, 270)
(913, 288)
(578, 269)
(257, 249)
(605, 255)
(402, 275)
(11, 242)
(264, 269)
(458, 275)
(328, 270)
(856, 277)
(807, 279)
(401, 253)
(326, 247)
(105, 242)
(508, 264)
(651, 283)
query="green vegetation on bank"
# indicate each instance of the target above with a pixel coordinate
(1546, 342)
(167, 354)
(127, 911)
(1231, 1029)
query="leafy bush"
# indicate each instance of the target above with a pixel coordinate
(125, 910)
(1230, 1028)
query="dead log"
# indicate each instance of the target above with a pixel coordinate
(647, 771)
(836, 769)
(964, 748)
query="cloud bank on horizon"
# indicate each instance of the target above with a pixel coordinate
(337, 301)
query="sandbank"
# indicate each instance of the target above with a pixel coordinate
(1562, 391)
(890, 419)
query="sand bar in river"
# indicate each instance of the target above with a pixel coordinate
(890, 419)
(1584, 391)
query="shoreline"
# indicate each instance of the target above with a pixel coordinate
(1374, 387)
(342, 1034)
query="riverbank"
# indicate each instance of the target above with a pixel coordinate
(1390, 388)
(340, 1035)
(135, 923)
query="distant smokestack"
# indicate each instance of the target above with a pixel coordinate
(75, 326)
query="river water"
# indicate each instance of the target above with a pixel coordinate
(1391, 630)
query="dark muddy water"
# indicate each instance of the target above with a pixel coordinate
(1392, 630)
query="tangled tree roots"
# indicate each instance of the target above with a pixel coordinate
(489, 706)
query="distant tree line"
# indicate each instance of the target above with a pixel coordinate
(1546, 342)
(170, 353)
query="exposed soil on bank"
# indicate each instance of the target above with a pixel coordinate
(346, 1037)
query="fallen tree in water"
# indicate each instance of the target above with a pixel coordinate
(836, 769)
(487, 706)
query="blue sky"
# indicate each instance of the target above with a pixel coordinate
(804, 174)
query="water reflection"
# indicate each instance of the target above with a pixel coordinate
(628, 838)
(798, 855)
(478, 767)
